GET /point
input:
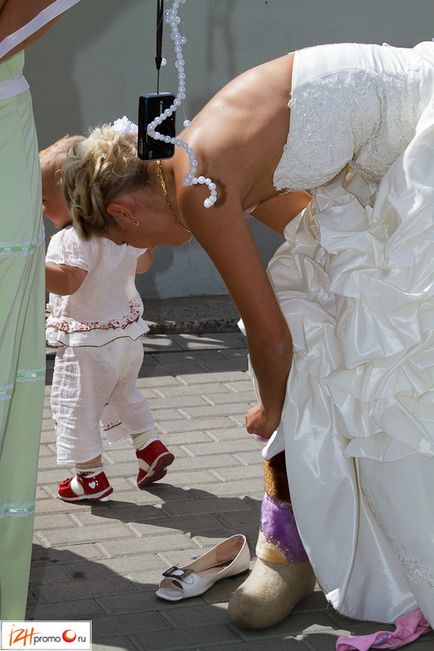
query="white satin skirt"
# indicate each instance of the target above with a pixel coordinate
(356, 284)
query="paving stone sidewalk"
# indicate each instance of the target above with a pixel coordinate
(103, 561)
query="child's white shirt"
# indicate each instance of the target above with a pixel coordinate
(107, 304)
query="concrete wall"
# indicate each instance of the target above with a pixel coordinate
(93, 66)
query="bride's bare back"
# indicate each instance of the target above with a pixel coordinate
(238, 137)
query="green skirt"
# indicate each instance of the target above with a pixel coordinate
(22, 349)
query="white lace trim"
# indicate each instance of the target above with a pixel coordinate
(6, 391)
(376, 113)
(9, 249)
(69, 325)
(414, 571)
(23, 375)
(30, 375)
(12, 510)
(12, 87)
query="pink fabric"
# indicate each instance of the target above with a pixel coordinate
(408, 628)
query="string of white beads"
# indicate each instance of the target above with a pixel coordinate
(171, 18)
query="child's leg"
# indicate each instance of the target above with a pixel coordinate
(81, 384)
(282, 575)
(114, 429)
(153, 458)
(88, 467)
(135, 415)
(112, 426)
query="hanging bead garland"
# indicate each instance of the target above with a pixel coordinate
(171, 18)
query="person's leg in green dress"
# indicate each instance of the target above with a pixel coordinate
(22, 350)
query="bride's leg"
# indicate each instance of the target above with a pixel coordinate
(282, 574)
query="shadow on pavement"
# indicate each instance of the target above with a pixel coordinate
(126, 614)
(193, 511)
(120, 607)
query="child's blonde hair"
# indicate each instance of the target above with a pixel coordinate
(52, 158)
(100, 169)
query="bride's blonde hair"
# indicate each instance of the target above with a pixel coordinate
(100, 169)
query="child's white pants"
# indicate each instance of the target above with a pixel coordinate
(93, 383)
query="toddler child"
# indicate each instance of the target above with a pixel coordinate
(95, 321)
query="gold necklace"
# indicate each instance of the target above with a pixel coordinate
(160, 174)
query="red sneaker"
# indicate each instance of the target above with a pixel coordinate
(84, 487)
(153, 461)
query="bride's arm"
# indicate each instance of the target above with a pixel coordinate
(224, 234)
(24, 21)
(277, 212)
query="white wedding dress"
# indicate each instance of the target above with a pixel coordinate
(355, 281)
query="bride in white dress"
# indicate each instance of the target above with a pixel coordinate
(351, 396)
(355, 282)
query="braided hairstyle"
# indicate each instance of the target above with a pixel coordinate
(100, 169)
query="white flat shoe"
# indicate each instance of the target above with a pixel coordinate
(228, 558)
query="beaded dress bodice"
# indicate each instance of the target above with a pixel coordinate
(350, 103)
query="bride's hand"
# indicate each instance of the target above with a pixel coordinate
(259, 423)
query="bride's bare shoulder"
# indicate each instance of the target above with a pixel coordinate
(270, 77)
(248, 102)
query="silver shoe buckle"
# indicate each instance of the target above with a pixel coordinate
(177, 573)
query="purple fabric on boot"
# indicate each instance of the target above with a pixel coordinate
(279, 528)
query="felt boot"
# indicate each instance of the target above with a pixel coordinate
(282, 574)
(271, 591)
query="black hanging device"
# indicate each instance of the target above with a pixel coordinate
(152, 105)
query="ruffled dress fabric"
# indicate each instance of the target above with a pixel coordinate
(355, 281)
